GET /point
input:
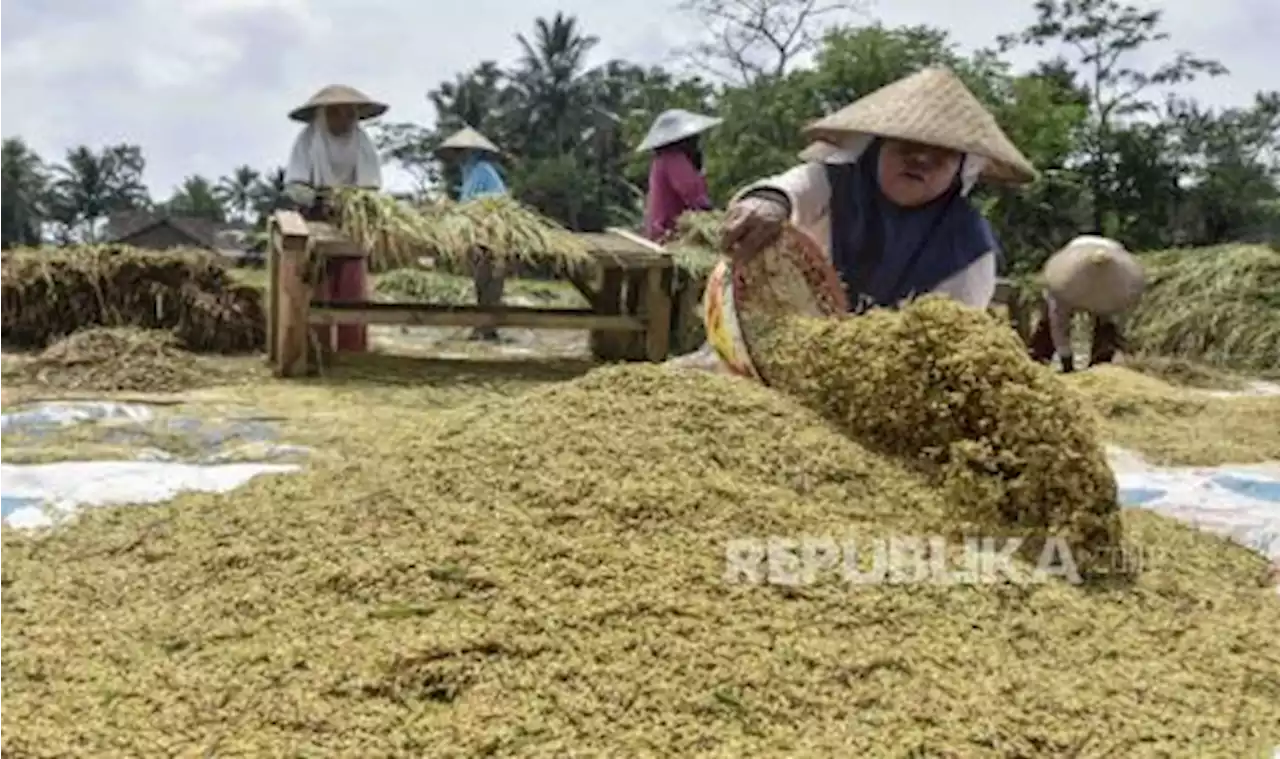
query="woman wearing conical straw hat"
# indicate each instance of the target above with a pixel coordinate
(1094, 275)
(676, 183)
(884, 190)
(333, 151)
(474, 154)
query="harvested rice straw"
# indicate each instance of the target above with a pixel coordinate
(394, 233)
(509, 231)
(1220, 306)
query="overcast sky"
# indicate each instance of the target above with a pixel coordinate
(204, 85)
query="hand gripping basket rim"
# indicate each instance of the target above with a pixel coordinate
(792, 276)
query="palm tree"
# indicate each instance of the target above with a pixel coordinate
(267, 195)
(89, 186)
(198, 198)
(236, 191)
(549, 78)
(22, 192)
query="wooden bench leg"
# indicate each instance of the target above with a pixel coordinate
(658, 315)
(293, 331)
(607, 345)
(273, 298)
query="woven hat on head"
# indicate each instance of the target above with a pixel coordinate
(468, 139)
(339, 94)
(675, 125)
(932, 107)
(817, 152)
(1095, 274)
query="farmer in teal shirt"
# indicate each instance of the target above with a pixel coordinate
(480, 177)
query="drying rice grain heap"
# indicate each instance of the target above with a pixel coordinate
(951, 390)
(49, 293)
(119, 359)
(545, 576)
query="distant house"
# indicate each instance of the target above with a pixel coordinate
(162, 231)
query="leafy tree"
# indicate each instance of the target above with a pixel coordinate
(235, 191)
(89, 186)
(22, 195)
(198, 198)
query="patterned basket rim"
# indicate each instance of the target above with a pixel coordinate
(820, 279)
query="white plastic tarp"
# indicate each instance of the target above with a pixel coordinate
(36, 495)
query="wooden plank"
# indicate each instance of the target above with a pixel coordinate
(274, 241)
(431, 315)
(624, 249)
(290, 224)
(658, 316)
(293, 295)
(328, 241)
(585, 289)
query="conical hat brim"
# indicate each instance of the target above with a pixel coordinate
(1105, 287)
(339, 94)
(468, 139)
(932, 107)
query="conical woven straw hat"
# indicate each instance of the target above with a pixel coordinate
(792, 277)
(1095, 274)
(339, 94)
(819, 151)
(932, 107)
(468, 139)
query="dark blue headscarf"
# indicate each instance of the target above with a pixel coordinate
(886, 253)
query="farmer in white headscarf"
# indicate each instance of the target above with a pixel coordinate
(1093, 275)
(334, 151)
(885, 190)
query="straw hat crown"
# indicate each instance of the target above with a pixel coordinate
(1095, 274)
(932, 107)
(339, 94)
(468, 139)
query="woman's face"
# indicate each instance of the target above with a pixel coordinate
(340, 118)
(912, 174)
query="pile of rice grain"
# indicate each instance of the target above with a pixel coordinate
(118, 359)
(545, 576)
(950, 390)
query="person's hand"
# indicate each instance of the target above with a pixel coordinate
(751, 225)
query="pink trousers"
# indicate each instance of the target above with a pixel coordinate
(347, 281)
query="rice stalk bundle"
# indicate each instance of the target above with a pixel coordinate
(508, 231)
(49, 293)
(1219, 306)
(394, 233)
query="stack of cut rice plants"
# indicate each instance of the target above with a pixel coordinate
(1219, 305)
(509, 232)
(49, 293)
(695, 246)
(396, 234)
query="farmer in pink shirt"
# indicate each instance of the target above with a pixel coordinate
(676, 183)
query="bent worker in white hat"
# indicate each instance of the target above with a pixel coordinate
(884, 190)
(333, 151)
(676, 183)
(474, 154)
(1095, 275)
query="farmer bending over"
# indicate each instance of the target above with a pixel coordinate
(473, 152)
(1095, 275)
(676, 183)
(333, 151)
(885, 192)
